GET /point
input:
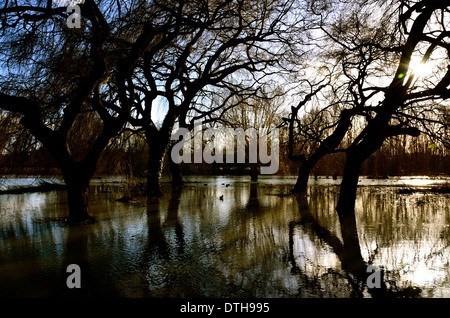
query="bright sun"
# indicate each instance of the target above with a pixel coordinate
(419, 69)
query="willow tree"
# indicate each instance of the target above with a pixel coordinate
(200, 48)
(259, 115)
(390, 77)
(67, 84)
(419, 37)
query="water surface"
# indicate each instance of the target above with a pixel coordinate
(228, 237)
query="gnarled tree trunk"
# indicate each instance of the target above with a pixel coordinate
(158, 143)
(301, 186)
(154, 172)
(175, 171)
(77, 177)
(347, 195)
(327, 146)
(77, 197)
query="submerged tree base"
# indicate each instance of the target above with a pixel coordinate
(299, 191)
(154, 194)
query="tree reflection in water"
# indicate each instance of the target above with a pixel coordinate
(258, 241)
(399, 244)
(355, 269)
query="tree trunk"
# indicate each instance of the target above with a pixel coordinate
(254, 171)
(154, 175)
(77, 197)
(301, 186)
(327, 146)
(157, 146)
(77, 183)
(158, 143)
(352, 260)
(347, 194)
(177, 178)
(175, 171)
(373, 141)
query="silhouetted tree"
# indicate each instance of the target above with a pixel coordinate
(366, 53)
(199, 50)
(55, 78)
(402, 34)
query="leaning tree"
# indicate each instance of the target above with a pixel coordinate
(419, 33)
(390, 77)
(69, 84)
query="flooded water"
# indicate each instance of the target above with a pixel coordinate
(228, 237)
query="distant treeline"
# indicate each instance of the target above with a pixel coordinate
(402, 155)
